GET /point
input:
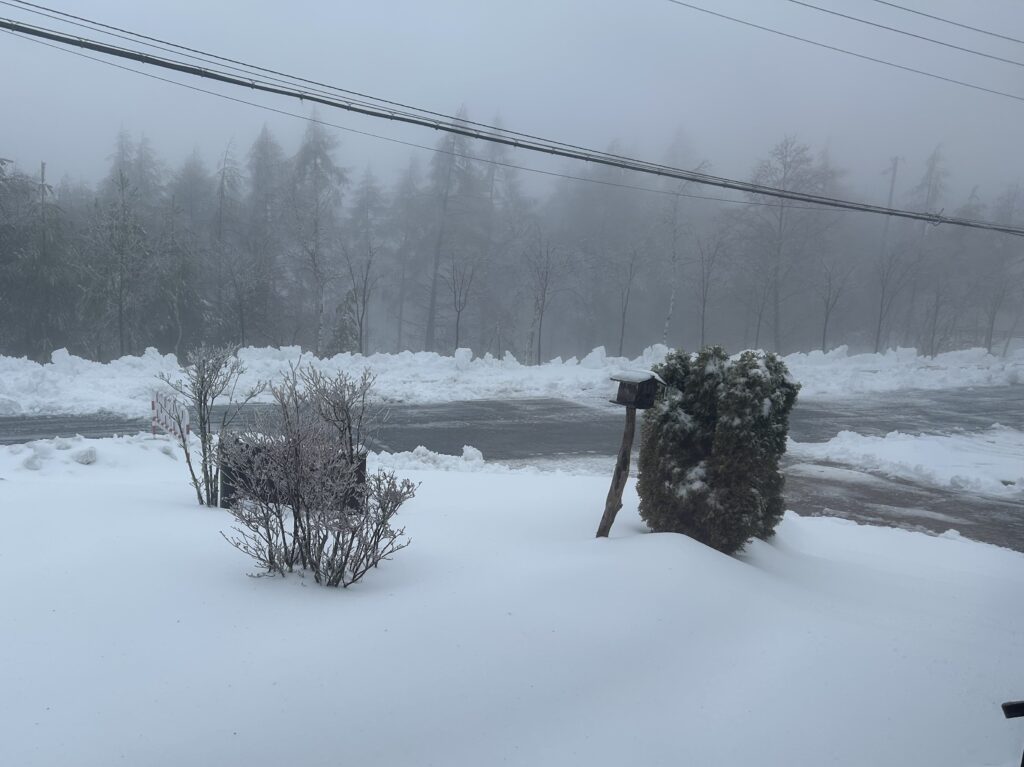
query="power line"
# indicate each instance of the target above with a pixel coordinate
(837, 49)
(250, 69)
(542, 146)
(950, 21)
(413, 144)
(452, 125)
(908, 34)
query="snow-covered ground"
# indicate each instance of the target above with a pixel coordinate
(69, 384)
(504, 634)
(989, 462)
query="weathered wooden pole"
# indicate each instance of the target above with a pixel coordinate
(614, 501)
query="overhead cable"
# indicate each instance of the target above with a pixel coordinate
(272, 75)
(979, 30)
(463, 129)
(837, 49)
(899, 31)
(414, 145)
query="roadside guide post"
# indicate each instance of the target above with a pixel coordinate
(637, 390)
(170, 415)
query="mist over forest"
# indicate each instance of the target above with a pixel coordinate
(306, 245)
(175, 210)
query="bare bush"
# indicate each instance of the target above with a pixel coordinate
(300, 493)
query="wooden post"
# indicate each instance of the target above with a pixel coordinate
(614, 501)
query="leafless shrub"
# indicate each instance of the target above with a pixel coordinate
(300, 494)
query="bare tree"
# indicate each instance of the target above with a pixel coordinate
(363, 278)
(626, 273)
(709, 256)
(211, 373)
(316, 198)
(831, 284)
(783, 232)
(892, 271)
(544, 269)
(459, 278)
(674, 227)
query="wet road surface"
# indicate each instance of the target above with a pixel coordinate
(552, 432)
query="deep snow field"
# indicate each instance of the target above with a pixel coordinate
(505, 634)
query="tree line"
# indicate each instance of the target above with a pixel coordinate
(271, 248)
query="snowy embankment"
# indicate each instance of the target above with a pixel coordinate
(72, 385)
(990, 462)
(504, 634)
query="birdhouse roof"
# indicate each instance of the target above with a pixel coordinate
(636, 376)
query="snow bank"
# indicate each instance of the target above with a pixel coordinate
(839, 373)
(989, 462)
(69, 384)
(504, 634)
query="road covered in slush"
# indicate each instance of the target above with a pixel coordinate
(896, 438)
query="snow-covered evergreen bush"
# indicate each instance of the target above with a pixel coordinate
(710, 447)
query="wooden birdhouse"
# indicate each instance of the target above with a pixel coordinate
(637, 388)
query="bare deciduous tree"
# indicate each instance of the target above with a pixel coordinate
(710, 252)
(459, 277)
(211, 372)
(831, 284)
(544, 267)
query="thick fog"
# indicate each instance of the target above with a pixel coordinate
(176, 216)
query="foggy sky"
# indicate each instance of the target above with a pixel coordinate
(582, 71)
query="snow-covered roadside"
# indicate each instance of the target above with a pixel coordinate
(990, 462)
(70, 384)
(504, 634)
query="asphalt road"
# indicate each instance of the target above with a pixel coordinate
(555, 432)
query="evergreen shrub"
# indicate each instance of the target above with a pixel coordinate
(710, 447)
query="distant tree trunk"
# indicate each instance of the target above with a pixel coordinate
(543, 273)
(626, 290)
(1013, 327)
(776, 279)
(319, 317)
(402, 279)
(674, 255)
(881, 319)
(992, 314)
(709, 257)
(429, 340)
(776, 312)
(540, 333)
(831, 290)
(762, 305)
(459, 279)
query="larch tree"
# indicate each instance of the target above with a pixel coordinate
(361, 256)
(263, 238)
(407, 226)
(782, 234)
(317, 183)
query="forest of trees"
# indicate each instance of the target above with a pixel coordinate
(271, 247)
